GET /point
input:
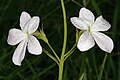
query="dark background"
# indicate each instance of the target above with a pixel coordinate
(42, 67)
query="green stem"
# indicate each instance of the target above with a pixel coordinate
(53, 52)
(102, 67)
(70, 51)
(65, 28)
(53, 58)
(41, 35)
(78, 34)
(61, 63)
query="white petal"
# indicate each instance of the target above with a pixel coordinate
(19, 53)
(103, 41)
(15, 36)
(33, 24)
(87, 15)
(85, 42)
(101, 24)
(79, 23)
(24, 18)
(34, 46)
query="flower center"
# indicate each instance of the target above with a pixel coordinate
(89, 26)
(26, 34)
(89, 29)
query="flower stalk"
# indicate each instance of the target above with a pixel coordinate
(41, 35)
(61, 63)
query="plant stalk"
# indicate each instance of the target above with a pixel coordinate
(61, 62)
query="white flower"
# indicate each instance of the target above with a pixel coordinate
(86, 21)
(25, 38)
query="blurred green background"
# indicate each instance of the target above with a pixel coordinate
(42, 67)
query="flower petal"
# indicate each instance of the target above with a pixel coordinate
(33, 24)
(86, 14)
(15, 36)
(103, 41)
(19, 53)
(101, 24)
(24, 18)
(85, 42)
(79, 23)
(34, 46)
